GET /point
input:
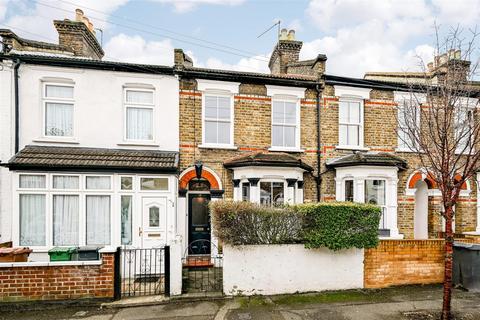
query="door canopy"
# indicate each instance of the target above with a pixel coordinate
(207, 174)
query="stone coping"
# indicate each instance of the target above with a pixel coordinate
(50, 263)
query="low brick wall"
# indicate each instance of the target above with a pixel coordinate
(401, 262)
(58, 282)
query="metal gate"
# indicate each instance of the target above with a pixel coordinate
(202, 273)
(142, 272)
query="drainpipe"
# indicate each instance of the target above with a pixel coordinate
(318, 88)
(16, 66)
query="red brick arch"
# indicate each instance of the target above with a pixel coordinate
(207, 175)
(418, 176)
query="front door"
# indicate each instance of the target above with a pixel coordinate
(199, 224)
(154, 222)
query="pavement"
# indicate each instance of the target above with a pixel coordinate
(399, 303)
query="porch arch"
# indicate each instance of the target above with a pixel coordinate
(207, 174)
(423, 175)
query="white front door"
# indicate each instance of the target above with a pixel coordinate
(154, 221)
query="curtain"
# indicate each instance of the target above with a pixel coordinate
(126, 215)
(65, 182)
(32, 220)
(64, 92)
(32, 181)
(139, 97)
(58, 119)
(139, 123)
(65, 220)
(98, 220)
(98, 183)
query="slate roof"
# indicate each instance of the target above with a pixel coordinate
(267, 159)
(369, 159)
(74, 158)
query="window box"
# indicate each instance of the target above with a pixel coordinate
(14, 254)
(62, 253)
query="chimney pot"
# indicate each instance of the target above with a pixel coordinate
(78, 15)
(283, 34)
(291, 35)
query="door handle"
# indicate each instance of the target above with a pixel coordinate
(140, 231)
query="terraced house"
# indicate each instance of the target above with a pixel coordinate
(106, 153)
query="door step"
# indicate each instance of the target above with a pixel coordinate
(198, 261)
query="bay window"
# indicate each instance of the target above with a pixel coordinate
(217, 119)
(285, 123)
(98, 219)
(32, 220)
(139, 108)
(58, 104)
(65, 220)
(350, 120)
(272, 193)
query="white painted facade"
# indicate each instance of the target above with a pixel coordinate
(283, 269)
(6, 147)
(99, 117)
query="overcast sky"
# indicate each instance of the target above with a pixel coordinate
(357, 36)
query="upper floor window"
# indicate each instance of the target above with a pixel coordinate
(285, 123)
(463, 128)
(218, 119)
(350, 120)
(58, 110)
(139, 105)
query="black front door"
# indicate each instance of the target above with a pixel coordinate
(199, 224)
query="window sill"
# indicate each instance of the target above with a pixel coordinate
(358, 148)
(217, 146)
(56, 140)
(404, 150)
(139, 143)
(280, 149)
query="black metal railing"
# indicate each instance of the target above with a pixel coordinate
(142, 272)
(202, 273)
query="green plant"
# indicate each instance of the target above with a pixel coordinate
(340, 225)
(243, 223)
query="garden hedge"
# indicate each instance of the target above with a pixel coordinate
(335, 225)
(340, 225)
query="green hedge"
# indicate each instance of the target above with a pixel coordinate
(335, 225)
(340, 225)
(241, 223)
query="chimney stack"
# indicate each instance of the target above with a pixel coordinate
(79, 36)
(286, 51)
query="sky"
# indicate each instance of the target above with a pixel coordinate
(356, 35)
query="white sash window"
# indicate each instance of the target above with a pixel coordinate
(218, 120)
(139, 107)
(58, 110)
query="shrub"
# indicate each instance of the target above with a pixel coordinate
(340, 225)
(241, 223)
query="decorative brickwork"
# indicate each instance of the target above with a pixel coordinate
(58, 282)
(401, 262)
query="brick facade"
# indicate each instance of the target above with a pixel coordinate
(252, 132)
(63, 282)
(403, 262)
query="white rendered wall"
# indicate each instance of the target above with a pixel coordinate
(279, 269)
(98, 108)
(6, 147)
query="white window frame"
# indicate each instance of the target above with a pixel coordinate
(400, 98)
(270, 181)
(469, 105)
(46, 100)
(127, 105)
(287, 98)
(53, 175)
(139, 184)
(230, 96)
(359, 124)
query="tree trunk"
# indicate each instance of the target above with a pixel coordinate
(447, 281)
